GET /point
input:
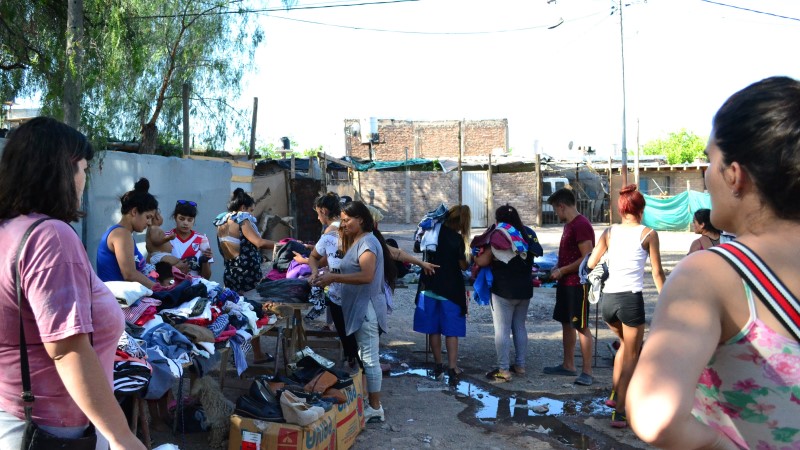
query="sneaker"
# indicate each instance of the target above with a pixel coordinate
(559, 370)
(618, 420)
(584, 379)
(373, 415)
(324, 362)
(611, 401)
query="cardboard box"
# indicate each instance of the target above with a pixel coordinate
(350, 415)
(252, 434)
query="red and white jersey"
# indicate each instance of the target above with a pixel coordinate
(191, 248)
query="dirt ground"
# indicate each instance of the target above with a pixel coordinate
(479, 414)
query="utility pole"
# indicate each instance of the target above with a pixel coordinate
(185, 100)
(624, 168)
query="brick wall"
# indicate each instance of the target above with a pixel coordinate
(518, 190)
(429, 139)
(386, 191)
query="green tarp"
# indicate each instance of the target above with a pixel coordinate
(674, 213)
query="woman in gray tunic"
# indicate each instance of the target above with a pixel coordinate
(363, 271)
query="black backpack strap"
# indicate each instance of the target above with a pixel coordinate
(27, 394)
(777, 298)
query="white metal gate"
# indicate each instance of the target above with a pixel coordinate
(473, 190)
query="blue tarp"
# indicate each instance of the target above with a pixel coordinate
(674, 213)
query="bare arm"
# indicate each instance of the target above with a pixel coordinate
(399, 255)
(314, 263)
(120, 242)
(484, 258)
(366, 260)
(250, 233)
(655, 261)
(77, 364)
(157, 236)
(696, 245)
(585, 247)
(686, 330)
(599, 251)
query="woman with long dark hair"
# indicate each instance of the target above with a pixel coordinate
(441, 297)
(363, 272)
(71, 321)
(512, 290)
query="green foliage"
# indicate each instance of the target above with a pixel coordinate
(138, 54)
(679, 147)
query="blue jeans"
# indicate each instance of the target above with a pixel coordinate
(368, 343)
(509, 320)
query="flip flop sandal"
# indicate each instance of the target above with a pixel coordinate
(497, 376)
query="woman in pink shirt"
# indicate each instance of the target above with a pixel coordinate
(71, 320)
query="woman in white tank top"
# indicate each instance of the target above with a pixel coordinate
(626, 247)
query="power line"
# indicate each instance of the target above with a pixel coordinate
(751, 10)
(265, 10)
(453, 33)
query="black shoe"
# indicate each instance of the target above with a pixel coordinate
(259, 391)
(453, 377)
(438, 372)
(247, 407)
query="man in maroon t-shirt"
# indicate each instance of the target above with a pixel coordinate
(572, 305)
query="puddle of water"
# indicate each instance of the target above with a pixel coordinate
(495, 409)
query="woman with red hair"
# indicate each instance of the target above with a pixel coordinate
(626, 247)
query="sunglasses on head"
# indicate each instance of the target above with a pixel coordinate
(187, 202)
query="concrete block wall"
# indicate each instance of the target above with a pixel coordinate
(518, 190)
(430, 139)
(386, 191)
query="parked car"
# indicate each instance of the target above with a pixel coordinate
(550, 185)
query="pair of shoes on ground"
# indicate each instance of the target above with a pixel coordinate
(499, 375)
(373, 415)
(619, 420)
(584, 379)
(297, 411)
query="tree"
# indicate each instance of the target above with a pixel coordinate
(679, 147)
(137, 55)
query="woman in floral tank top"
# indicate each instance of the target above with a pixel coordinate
(719, 369)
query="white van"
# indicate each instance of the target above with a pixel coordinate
(550, 185)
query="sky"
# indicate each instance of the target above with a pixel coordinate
(504, 59)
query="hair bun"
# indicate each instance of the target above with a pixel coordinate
(627, 189)
(143, 185)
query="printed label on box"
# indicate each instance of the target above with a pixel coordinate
(250, 440)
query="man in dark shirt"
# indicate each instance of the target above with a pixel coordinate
(572, 305)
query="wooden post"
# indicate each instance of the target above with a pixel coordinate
(293, 196)
(323, 167)
(538, 174)
(636, 157)
(460, 152)
(408, 190)
(489, 191)
(253, 130)
(610, 190)
(185, 98)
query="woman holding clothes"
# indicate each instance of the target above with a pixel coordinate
(240, 243)
(627, 247)
(118, 258)
(441, 298)
(720, 368)
(364, 269)
(511, 290)
(42, 176)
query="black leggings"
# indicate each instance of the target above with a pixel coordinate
(349, 344)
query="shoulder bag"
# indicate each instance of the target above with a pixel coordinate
(35, 438)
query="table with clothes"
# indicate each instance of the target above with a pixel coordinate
(191, 325)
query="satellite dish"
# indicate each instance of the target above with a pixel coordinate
(569, 146)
